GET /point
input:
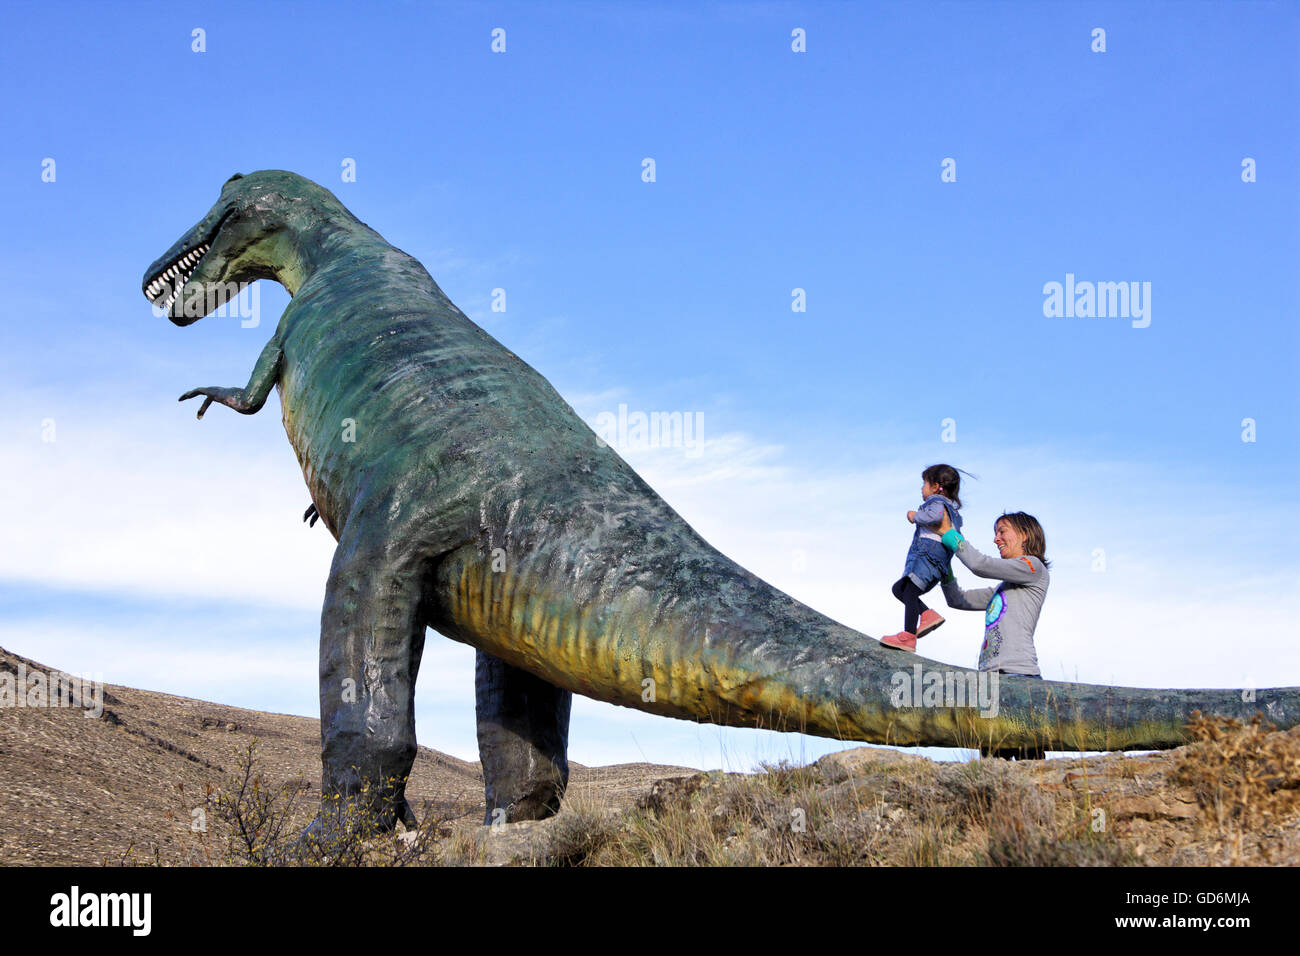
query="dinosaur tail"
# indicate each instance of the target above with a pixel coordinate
(674, 627)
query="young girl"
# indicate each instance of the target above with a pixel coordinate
(928, 561)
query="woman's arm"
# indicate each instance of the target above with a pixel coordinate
(1015, 570)
(977, 600)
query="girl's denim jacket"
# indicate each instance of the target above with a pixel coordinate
(930, 513)
(928, 561)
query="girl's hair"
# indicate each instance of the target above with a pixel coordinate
(946, 477)
(1027, 527)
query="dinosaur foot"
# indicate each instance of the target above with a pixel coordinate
(536, 802)
(345, 828)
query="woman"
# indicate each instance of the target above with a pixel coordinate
(1011, 608)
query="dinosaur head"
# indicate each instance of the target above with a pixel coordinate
(254, 231)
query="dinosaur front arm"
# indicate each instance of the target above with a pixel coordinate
(252, 397)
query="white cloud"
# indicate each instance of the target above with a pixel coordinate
(150, 501)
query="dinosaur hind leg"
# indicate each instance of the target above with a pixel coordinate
(523, 734)
(372, 637)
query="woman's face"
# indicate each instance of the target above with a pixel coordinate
(1010, 543)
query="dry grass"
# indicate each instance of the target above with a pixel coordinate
(964, 814)
(1246, 778)
(252, 822)
(165, 780)
(876, 808)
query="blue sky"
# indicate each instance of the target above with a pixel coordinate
(168, 553)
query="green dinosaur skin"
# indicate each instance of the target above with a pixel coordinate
(475, 501)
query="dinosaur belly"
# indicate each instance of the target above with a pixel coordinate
(389, 400)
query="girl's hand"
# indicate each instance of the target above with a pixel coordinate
(911, 517)
(944, 524)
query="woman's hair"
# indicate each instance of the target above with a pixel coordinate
(1027, 527)
(946, 477)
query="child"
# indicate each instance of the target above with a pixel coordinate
(928, 561)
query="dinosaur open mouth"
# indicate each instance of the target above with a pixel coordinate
(163, 288)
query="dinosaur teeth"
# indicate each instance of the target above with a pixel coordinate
(177, 274)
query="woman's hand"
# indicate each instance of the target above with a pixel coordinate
(944, 524)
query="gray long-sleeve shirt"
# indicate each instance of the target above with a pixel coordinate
(1010, 610)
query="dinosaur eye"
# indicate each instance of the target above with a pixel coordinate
(232, 179)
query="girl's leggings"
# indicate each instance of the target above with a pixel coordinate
(905, 590)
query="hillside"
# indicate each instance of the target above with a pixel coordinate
(78, 790)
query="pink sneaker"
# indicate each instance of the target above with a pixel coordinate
(929, 621)
(903, 640)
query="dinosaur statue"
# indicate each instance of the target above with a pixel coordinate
(466, 496)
